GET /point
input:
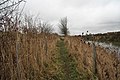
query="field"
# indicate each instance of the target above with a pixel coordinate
(52, 57)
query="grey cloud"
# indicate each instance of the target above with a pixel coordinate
(93, 15)
(87, 3)
(111, 23)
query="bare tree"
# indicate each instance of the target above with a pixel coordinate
(36, 25)
(7, 9)
(46, 28)
(63, 26)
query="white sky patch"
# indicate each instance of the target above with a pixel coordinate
(83, 15)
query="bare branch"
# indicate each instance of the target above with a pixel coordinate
(16, 3)
(4, 2)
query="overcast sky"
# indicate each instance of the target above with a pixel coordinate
(94, 16)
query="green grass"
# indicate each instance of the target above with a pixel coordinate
(116, 43)
(67, 65)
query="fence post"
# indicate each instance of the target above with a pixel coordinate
(94, 59)
(46, 48)
(17, 56)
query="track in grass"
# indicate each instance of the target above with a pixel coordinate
(67, 65)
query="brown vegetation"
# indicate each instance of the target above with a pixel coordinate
(108, 64)
(27, 56)
(33, 56)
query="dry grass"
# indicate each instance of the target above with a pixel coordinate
(108, 65)
(34, 57)
(26, 58)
